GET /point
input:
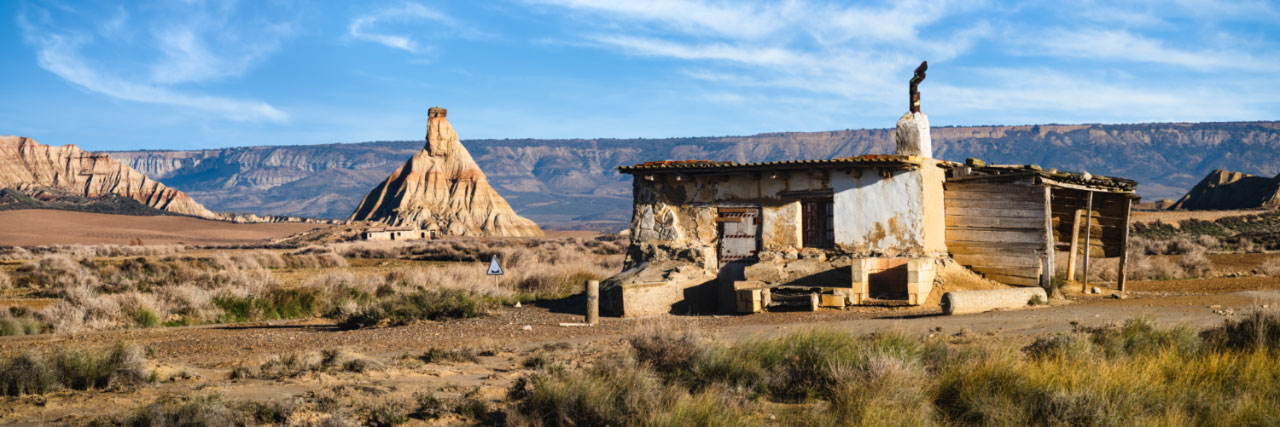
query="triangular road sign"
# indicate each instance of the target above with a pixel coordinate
(494, 268)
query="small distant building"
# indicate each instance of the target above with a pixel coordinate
(399, 233)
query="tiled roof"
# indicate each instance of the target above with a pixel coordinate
(709, 165)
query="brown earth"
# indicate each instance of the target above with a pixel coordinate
(1174, 217)
(52, 227)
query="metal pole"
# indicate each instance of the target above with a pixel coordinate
(593, 301)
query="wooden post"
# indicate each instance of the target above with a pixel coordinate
(1088, 239)
(1124, 245)
(1075, 246)
(1046, 273)
(593, 301)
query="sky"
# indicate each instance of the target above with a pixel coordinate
(208, 74)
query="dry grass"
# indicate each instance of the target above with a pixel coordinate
(1130, 374)
(29, 373)
(236, 286)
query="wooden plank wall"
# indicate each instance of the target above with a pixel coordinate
(997, 230)
(1107, 234)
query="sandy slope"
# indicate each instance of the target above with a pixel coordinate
(50, 227)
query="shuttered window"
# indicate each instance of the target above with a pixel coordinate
(818, 223)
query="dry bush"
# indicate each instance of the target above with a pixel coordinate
(1270, 268)
(15, 253)
(51, 274)
(29, 373)
(5, 281)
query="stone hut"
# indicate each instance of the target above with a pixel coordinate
(710, 236)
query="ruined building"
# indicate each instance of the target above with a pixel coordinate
(708, 236)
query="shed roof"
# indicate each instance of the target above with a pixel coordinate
(685, 166)
(979, 171)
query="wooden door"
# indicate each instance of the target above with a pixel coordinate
(739, 234)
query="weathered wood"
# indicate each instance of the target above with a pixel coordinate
(993, 248)
(1005, 188)
(1046, 268)
(982, 195)
(593, 302)
(1023, 260)
(1014, 280)
(1088, 211)
(1124, 249)
(995, 236)
(996, 213)
(978, 222)
(993, 203)
(1075, 242)
(1030, 273)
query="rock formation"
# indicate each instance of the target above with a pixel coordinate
(41, 170)
(442, 188)
(1232, 190)
(574, 183)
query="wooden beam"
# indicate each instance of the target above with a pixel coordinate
(1046, 271)
(995, 213)
(1075, 246)
(1124, 248)
(1089, 212)
(1029, 236)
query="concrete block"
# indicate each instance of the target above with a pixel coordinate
(750, 301)
(832, 301)
(964, 302)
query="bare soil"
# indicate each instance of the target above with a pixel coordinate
(30, 227)
(1174, 217)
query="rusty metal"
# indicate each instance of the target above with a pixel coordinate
(915, 83)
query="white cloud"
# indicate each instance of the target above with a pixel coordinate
(366, 27)
(60, 56)
(1122, 45)
(186, 58)
(862, 53)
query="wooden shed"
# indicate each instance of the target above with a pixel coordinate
(1008, 221)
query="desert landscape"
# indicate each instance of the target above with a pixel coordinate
(226, 213)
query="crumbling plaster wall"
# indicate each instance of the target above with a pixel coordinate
(673, 214)
(898, 215)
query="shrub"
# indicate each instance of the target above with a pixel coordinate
(387, 414)
(122, 365)
(436, 355)
(422, 305)
(1257, 331)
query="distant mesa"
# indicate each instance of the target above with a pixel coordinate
(34, 175)
(1222, 190)
(442, 189)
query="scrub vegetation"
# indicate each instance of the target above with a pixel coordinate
(1130, 374)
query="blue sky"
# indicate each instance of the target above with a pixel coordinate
(205, 74)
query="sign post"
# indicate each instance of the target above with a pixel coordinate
(495, 270)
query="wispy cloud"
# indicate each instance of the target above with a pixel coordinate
(1120, 45)
(368, 27)
(192, 51)
(861, 53)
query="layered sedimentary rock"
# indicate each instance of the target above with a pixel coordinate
(1232, 190)
(37, 169)
(442, 188)
(573, 182)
